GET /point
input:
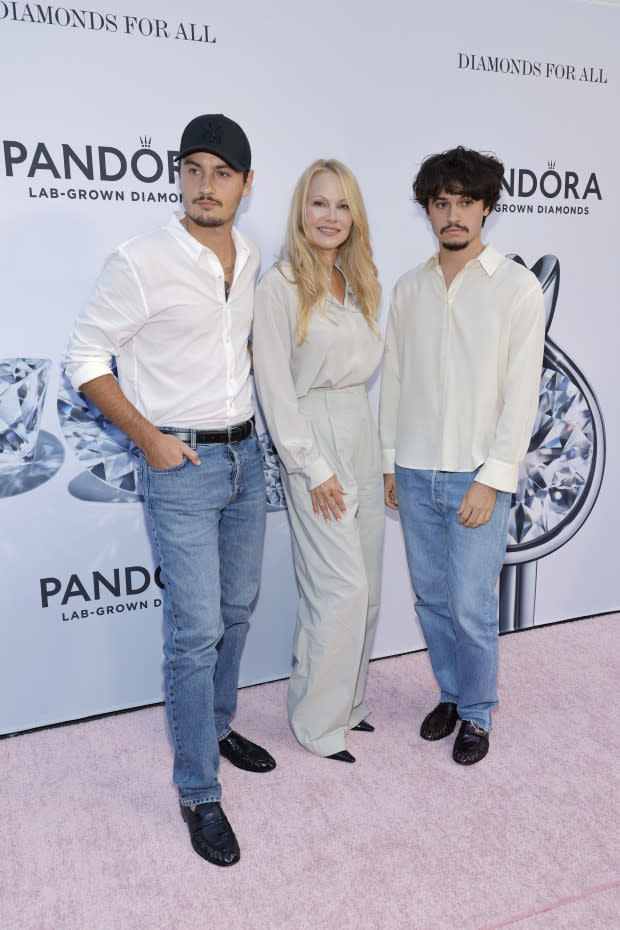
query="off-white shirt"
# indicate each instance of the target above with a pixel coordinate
(181, 350)
(462, 366)
(340, 351)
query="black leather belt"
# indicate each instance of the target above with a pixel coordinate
(202, 436)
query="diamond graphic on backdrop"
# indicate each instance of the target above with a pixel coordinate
(23, 385)
(554, 473)
(28, 455)
(561, 475)
(271, 467)
(105, 450)
(19, 477)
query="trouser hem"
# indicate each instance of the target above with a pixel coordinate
(358, 714)
(326, 746)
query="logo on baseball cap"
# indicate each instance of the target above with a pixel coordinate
(219, 135)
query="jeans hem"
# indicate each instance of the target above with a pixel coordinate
(446, 699)
(194, 802)
(486, 725)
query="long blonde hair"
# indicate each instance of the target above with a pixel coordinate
(310, 274)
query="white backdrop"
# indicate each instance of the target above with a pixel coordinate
(378, 86)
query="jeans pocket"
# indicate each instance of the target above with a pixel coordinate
(168, 471)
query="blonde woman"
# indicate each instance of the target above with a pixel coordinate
(316, 342)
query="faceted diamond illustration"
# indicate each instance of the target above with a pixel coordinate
(271, 467)
(554, 473)
(21, 476)
(23, 384)
(103, 448)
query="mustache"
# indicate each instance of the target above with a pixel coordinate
(207, 197)
(453, 226)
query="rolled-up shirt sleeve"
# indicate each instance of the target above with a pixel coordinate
(114, 313)
(390, 392)
(521, 391)
(274, 325)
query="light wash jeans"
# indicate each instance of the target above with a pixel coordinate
(454, 571)
(208, 523)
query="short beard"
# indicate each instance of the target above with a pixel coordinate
(455, 246)
(206, 221)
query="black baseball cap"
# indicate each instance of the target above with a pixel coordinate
(219, 135)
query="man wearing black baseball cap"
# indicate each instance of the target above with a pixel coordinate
(175, 308)
(220, 136)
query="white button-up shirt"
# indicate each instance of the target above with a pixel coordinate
(341, 351)
(461, 372)
(160, 308)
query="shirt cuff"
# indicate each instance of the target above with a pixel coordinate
(318, 472)
(499, 475)
(87, 372)
(389, 457)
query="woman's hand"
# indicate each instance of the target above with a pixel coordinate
(327, 498)
(390, 492)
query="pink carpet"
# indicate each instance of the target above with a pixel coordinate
(92, 837)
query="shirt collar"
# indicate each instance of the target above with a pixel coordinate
(490, 260)
(195, 248)
(349, 296)
(348, 293)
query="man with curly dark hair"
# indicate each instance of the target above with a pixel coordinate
(459, 396)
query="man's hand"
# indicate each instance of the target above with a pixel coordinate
(477, 505)
(165, 451)
(327, 498)
(389, 491)
(161, 450)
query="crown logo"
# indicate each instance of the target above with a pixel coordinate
(551, 165)
(145, 142)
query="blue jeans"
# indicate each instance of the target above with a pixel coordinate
(454, 571)
(208, 523)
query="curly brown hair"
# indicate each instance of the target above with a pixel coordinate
(459, 171)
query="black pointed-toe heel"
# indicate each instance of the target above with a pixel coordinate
(343, 756)
(364, 726)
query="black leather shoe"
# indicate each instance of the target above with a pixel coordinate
(211, 835)
(364, 726)
(440, 722)
(471, 745)
(343, 756)
(246, 755)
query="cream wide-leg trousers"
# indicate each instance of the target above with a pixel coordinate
(338, 566)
